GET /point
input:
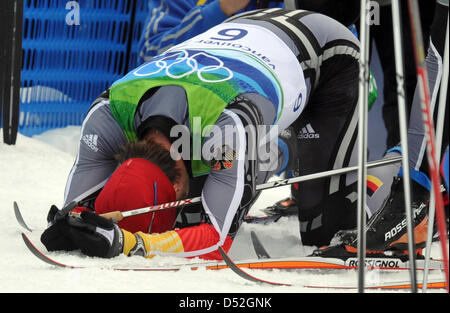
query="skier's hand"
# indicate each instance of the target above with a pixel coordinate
(54, 237)
(94, 234)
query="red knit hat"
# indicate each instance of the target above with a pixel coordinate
(138, 183)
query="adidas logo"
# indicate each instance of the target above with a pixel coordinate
(308, 132)
(91, 141)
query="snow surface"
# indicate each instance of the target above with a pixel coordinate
(33, 172)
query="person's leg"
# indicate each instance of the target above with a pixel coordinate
(386, 229)
(434, 60)
(382, 35)
(327, 132)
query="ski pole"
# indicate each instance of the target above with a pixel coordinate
(439, 135)
(422, 80)
(398, 52)
(362, 139)
(119, 215)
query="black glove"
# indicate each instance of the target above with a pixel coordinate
(89, 232)
(95, 235)
(54, 237)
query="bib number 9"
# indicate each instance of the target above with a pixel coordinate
(230, 34)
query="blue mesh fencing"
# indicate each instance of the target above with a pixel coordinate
(139, 21)
(67, 64)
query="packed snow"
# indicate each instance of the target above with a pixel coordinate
(33, 172)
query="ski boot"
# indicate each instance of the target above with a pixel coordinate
(386, 230)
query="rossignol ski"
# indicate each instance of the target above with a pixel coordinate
(291, 263)
(266, 264)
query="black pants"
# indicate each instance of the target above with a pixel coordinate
(327, 133)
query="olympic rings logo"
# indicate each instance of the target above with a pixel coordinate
(179, 64)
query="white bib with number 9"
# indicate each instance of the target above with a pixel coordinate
(270, 51)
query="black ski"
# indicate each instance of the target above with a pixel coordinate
(260, 251)
(267, 263)
(33, 249)
(20, 218)
(235, 268)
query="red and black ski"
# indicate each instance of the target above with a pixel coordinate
(293, 263)
(266, 264)
(290, 263)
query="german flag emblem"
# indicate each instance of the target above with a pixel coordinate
(373, 183)
(224, 158)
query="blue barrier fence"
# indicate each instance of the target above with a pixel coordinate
(67, 64)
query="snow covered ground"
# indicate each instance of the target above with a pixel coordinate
(33, 173)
